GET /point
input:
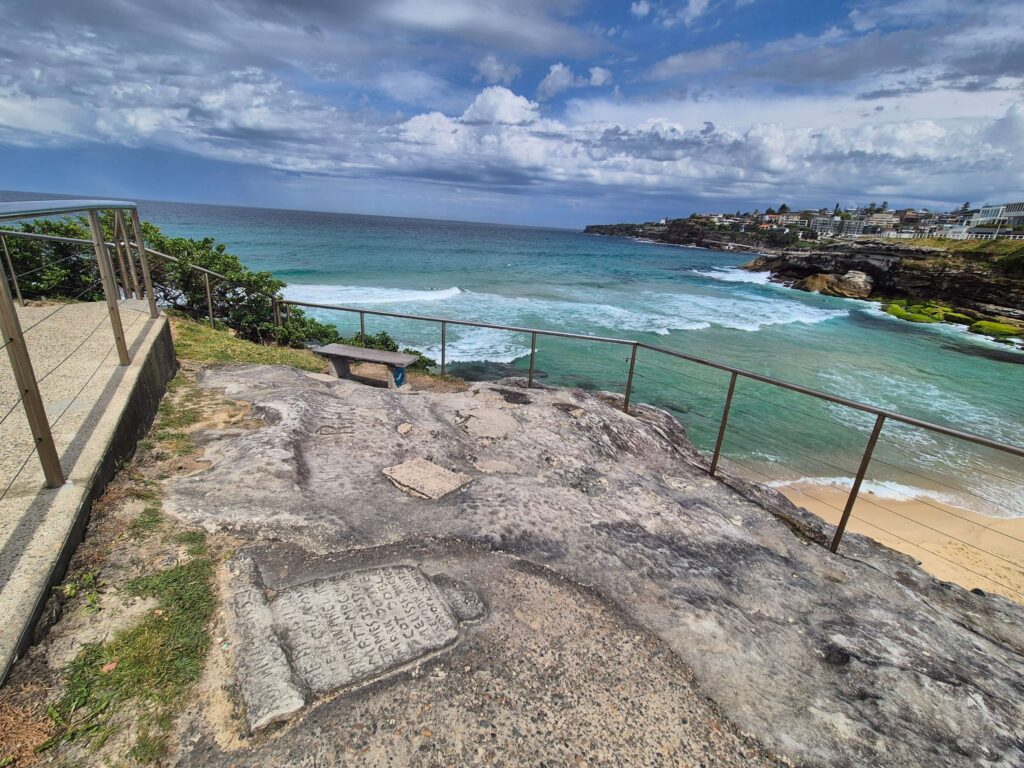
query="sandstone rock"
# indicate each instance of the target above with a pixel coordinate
(848, 660)
(488, 423)
(335, 632)
(852, 285)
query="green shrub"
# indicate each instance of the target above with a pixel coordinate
(383, 341)
(241, 301)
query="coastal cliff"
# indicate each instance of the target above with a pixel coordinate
(975, 283)
(972, 281)
(686, 232)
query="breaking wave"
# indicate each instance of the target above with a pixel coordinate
(735, 275)
(355, 295)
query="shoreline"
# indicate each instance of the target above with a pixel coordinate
(952, 543)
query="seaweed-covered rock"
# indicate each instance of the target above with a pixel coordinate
(998, 330)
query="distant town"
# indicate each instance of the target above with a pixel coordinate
(987, 222)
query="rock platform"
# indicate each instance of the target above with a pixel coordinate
(636, 611)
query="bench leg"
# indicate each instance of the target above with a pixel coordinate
(339, 365)
(396, 377)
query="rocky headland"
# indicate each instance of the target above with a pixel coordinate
(914, 283)
(974, 283)
(683, 232)
(573, 585)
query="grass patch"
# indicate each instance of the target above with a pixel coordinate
(153, 663)
(176, 414)
(193, 541)
(197, 341)
(146, 523)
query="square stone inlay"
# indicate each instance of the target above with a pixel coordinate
(425, 478)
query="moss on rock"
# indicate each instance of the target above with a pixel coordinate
(910, 315)
(999, 330)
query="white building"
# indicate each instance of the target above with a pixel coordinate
(826, 225)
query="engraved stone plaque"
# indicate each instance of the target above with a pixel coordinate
(424, 478)
(352, 627)
(265, 679)
(329, 633)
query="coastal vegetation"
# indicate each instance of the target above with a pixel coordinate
(241, 303)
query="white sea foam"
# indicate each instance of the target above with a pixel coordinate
(882, 489)
(735, 275)
(481, 344)
(742, 313)
(359, 295)
(598, 312)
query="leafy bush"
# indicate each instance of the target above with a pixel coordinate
(241, 301)
(61, 270)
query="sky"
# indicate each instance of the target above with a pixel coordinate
(557, 113)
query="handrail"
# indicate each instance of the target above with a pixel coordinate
(110, 244)
(895, 416)
(471, 323)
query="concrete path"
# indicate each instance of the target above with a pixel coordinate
(97, 410)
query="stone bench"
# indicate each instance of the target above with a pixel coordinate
(339, 356)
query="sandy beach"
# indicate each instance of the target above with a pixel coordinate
(953, 544)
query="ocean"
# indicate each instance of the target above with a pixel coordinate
(692, 300)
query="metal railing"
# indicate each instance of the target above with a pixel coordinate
(881, 416)
(114, 280)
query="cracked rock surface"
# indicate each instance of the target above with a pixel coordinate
(856, 659)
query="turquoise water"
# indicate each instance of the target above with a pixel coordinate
(687, 299)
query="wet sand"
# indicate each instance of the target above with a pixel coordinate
(951, 543)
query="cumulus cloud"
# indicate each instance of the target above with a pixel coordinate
(500, 105)
(686, 14)
(913, 157)
(493, 70)
(560, 77)
(640, 9)
(315, 93)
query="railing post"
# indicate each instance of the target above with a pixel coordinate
(25, 378)
(275, 307)
(209, 300)
(533, 358)
(444, 334)
(629, 380)
(861, 471)
(362, 325)
(287, 312)
(721, 427)
(122, 272)
(147, 278)
(10, 266)
(109, 288)
(119, 223)
(122, 263)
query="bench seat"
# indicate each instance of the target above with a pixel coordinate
(339, 355)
